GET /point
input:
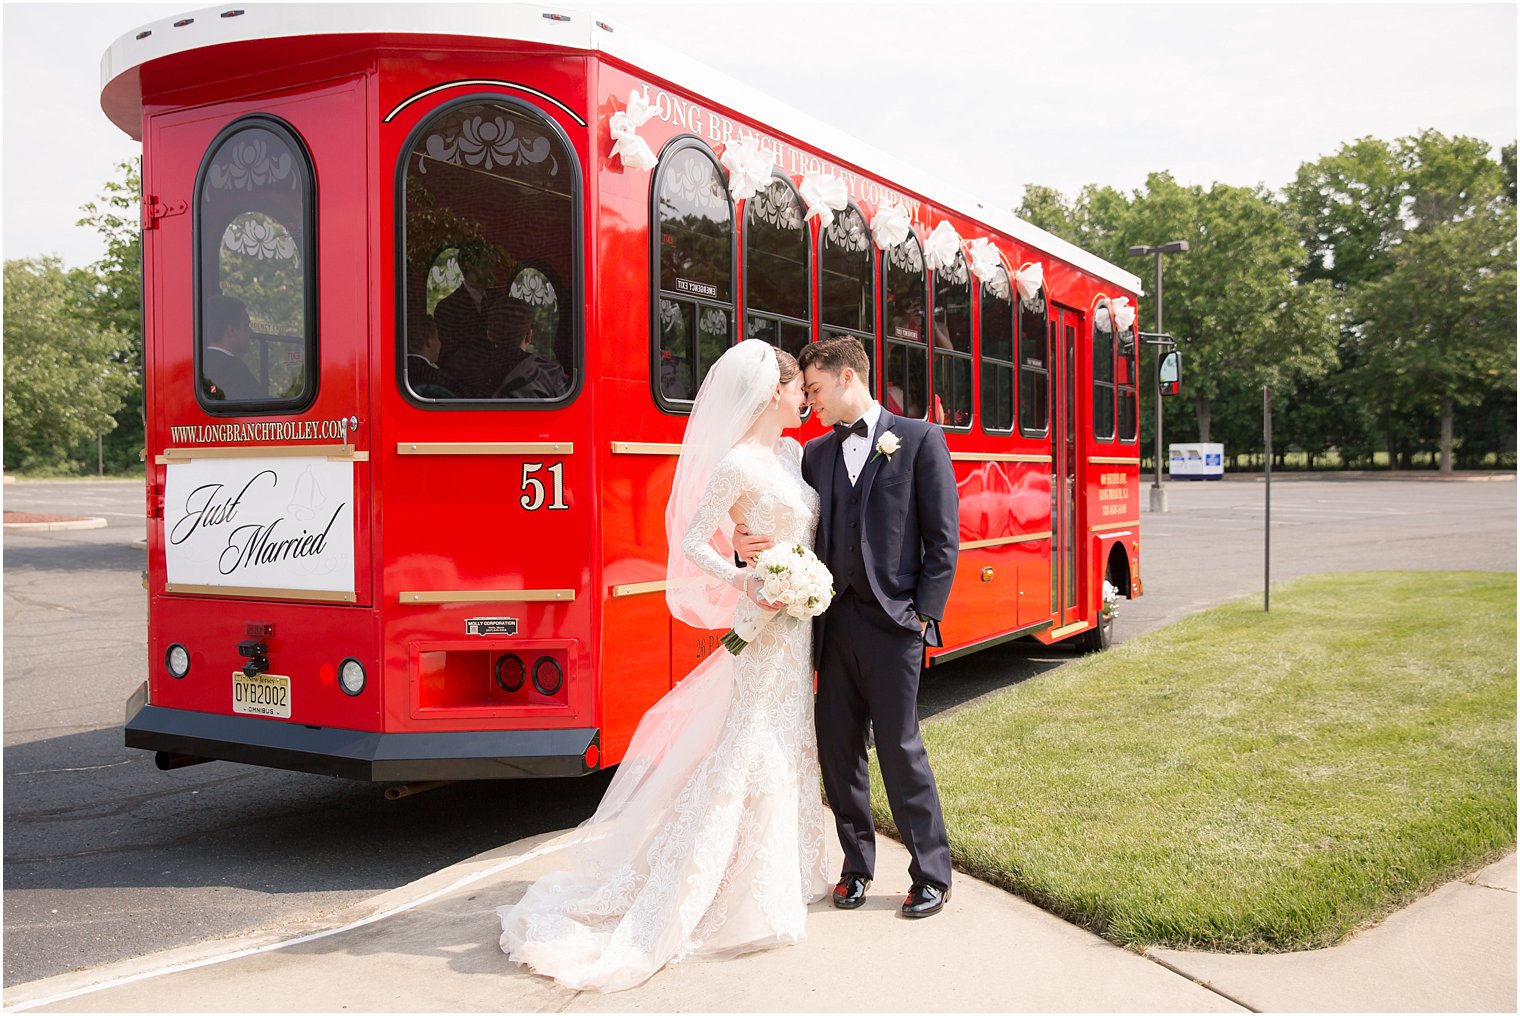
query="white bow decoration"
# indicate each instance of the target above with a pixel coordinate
(1101, 318)
(749, 167)
(942, 246)
(1030, 280)
(984, 259)
(624, 125)
(891, 225)
(825, 194)
(1124, 314)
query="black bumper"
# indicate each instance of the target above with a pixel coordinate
(357, 754)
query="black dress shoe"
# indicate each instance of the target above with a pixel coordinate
(851, 890)
(924, 898)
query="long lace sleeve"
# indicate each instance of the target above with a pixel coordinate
(723, 490)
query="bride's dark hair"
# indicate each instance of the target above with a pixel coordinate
(787, 364)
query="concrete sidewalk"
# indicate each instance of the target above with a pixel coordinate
(431, 947)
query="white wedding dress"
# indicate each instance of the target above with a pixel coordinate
(710, 839)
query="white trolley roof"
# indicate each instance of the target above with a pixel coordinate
(578, 30)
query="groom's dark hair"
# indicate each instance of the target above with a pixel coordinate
(834, 354)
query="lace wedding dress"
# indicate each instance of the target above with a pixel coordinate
(710, 839)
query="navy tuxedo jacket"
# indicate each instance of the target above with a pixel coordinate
(910, 520)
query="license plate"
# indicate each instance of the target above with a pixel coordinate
(263, 695)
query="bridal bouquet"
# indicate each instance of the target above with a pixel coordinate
(793, 577)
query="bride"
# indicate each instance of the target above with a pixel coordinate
(710, 838)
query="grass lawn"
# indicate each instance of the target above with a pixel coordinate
(1246, 781)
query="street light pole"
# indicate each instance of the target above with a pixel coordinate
(1158, 487)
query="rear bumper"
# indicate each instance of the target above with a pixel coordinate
(358, 754)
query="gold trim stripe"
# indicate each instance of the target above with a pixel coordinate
(1110, 460)
(1070, 629)
(488, 596)
(1004, 541)
(320, 595)
(995, 457)
(644, 448)
(485, 448)
(1113, 525)
(635, 588)
(342, 453)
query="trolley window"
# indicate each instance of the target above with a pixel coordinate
(777, 303)
(1103, 372)
(491, 225)
(997, 354)
(846, 277)
(255, 266)
(1129, 406)
(693, 270)
(1034, 367)
(952, 344)
(905, 375)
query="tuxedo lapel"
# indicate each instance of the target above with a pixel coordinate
(874, 458)
(823, 472)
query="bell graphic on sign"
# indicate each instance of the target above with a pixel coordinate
(307, 499)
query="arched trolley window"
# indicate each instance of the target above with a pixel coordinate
(847, 279)
(491, 283)
(998, 365)
(777, 267)
(255, 271)
(1034, 366)
(693, 270)
(1103, 371)
(952, 344)
(904, 384)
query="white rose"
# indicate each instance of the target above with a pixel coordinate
(888, 444)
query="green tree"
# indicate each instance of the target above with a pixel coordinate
(65, 373)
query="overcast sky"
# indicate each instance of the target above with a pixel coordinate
(989, 96)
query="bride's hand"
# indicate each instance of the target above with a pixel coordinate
(754, 588)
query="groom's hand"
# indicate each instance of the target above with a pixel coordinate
(750, 547)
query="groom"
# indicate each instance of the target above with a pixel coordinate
(889, 532)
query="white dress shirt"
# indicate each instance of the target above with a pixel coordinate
(857, 449)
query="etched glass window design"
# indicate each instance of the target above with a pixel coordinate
(1034, 366)
(952, 344)
(847, 278)
(490, 227)
(1129, 406)
(1103, 372)
(256, 294)
(905, 374)
(694, 231)
(998, 367)
(777, 300)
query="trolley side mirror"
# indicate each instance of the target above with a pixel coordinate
(1169, 373)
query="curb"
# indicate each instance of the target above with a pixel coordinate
(90, 523)
(60, 987)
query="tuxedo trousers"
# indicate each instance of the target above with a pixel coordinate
(868, 672)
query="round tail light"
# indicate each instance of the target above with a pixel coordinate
(177, 659)
(511, 672)
(547, 675)
(351, 676)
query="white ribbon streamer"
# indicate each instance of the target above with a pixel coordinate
(633, 150)
(1030, 279)
(1124, 314)
(825, 194)
(749, 167)
(1101, 318)
(891, 225)
(942, 246)
(984, 259)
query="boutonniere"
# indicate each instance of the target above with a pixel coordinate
(887, 445)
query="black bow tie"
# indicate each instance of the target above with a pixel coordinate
(844, 430)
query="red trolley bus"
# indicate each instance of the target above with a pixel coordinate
(427, 293)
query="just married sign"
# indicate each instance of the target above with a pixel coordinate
(278, 523)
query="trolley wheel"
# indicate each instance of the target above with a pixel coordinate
(1101, 636)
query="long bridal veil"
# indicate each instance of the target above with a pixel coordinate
(592, 924)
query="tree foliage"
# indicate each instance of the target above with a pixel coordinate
(66, 374)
